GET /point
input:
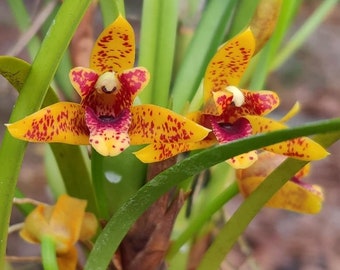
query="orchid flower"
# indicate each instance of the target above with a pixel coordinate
(106, 117)
(295, 195)
(66, 222)
(233, 113)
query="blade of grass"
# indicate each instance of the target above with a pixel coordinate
(110, 9)
(235, 226)
(122, 220)
(208, 36)
(39, 77)
(157, 48)
(243, 12)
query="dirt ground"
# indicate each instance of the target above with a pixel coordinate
(278, 240)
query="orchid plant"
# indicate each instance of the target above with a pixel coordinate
(150, 132)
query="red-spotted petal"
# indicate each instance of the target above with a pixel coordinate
(229, 63)
(108, 135)
(83, 80)
(243, 161)
(132, 82)
(300, 148)
(114, 49)
(61, 122)
(226, 132)
(154, 124)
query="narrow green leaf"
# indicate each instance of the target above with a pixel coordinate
(236, 225)
(122, 220)
(110, 10)
(243, 13)
(208, 36)
(157, 48)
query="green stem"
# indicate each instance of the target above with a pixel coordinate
(196, 223)
(48, 253)
(30, 99)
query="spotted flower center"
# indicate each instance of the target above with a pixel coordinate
(107, 83)
(238, 96)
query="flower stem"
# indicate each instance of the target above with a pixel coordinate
(48, 253)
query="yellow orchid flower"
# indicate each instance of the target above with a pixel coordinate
(106, 117)
(233, 113)
(295, 195)
(66, 222)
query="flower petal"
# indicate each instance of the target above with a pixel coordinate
(68, 260)
(108, 136)
(61, 122)
(36, 225)
(291, 196)
(158, 151)
(83, 80)
(66, 221)
(229, 63)
(243, 161)
(301, 148)
(114, 49)
(226, 132)
(132, 82)
(154, 124)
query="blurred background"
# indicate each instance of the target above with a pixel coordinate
(276, 239)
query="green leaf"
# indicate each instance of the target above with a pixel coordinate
(236, 225)
(157, 48)
(114, 231)
(208, 36)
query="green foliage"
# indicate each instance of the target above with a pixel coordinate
(115, 188)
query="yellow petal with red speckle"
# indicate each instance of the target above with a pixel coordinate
(291, 196)
(243, 161)
(229, 63)
(114, 49)
(302, 148)
(83, 80)
(154, 124)
(61, 122)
